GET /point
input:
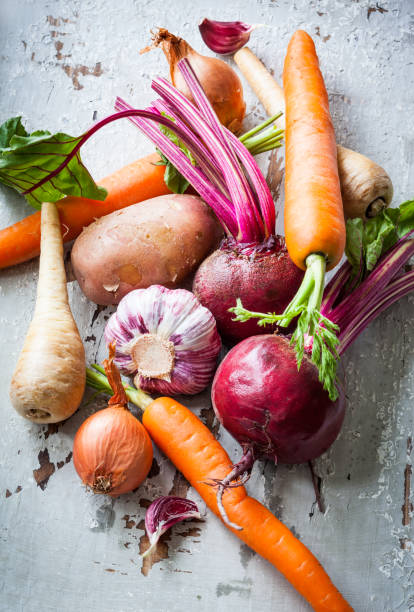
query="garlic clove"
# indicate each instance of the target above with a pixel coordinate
(165, 512)
(225, 37)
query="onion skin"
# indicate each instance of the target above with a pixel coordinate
(266, 404)
(221, 84)
(265, 281)
(112, 451)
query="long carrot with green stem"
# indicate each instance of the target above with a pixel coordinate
(314, 217)
(201, 459)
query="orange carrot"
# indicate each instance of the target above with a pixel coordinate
(199, 456)
(134, 183)
(314, 218)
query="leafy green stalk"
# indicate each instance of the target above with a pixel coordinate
(311, 327)
(26, 158)
(96, 379)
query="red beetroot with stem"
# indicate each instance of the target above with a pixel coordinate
(279, 412)
(253, 263)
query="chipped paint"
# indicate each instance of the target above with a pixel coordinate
(376, 9)
(239, 587)
(210, 420)
(47, 468)
(246, 555)
(407, 507)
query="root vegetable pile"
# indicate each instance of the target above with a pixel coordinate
(193, 449)
(277, 394)
(278, 411)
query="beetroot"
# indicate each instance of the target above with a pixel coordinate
(263, 276)
(270, 407)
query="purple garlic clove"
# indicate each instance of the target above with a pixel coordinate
(225, 37)
(163, 513)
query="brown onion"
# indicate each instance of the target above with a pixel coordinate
(112, 451)
(219, 81)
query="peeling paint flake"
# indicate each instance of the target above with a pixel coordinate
(240, 587)
(47, 468)
(375, 9)
(129, 523)
(407, 507)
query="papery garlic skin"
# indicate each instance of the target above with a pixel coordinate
(166, 339)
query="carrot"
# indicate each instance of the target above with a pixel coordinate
(199, 456)
(195, 452)
(314, 217)
(366, 187)
(48, 382)
(136, 182)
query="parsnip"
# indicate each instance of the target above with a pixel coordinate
(366, 187)
(49, 379)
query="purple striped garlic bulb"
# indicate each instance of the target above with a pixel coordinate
(165, 339)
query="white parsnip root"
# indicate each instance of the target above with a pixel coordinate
(49, 379)
(366, 187)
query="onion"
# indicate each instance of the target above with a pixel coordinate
(112, 451)
(221, 84)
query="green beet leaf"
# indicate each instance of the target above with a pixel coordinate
(406, 219)
(26, 159)
(367, 242)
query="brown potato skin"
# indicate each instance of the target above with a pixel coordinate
(158, 241)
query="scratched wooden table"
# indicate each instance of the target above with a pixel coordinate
(62, 64)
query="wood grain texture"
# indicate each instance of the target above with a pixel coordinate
(62, 64)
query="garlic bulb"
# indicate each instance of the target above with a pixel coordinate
(165, 339)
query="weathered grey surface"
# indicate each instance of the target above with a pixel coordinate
(62, 64)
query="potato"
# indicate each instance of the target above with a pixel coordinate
(158, 241)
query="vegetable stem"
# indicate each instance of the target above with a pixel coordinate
(311, 323)
(317, 265)
(260, 127)
(96, 379)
